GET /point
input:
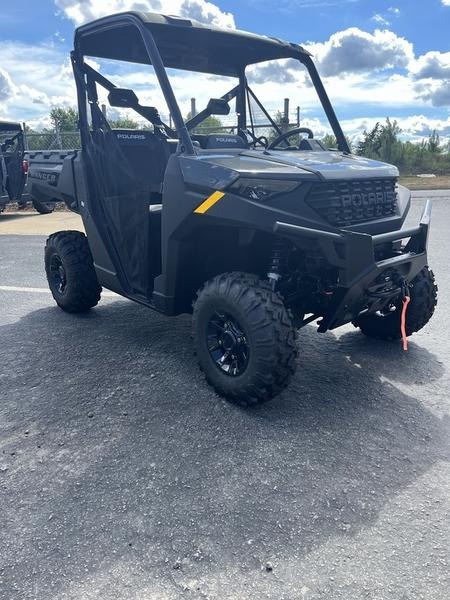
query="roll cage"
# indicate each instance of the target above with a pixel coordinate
(151, 114)
(174, 42)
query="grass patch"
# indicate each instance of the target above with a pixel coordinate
(440, 182)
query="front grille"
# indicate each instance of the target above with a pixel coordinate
(343, 203)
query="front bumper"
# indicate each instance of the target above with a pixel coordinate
(365, 284)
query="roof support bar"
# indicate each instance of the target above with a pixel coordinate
(328, 108)
(186, 145)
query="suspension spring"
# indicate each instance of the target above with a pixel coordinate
(278, 260)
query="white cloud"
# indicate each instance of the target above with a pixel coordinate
(383, 19)
(441, 95)
(421, 126)
(432, 74)
(446, 2)
(380, 19)
(293, 6)
(432, 65)
(42, 79)
(7, 87)
(82, 11)
(435, 92)
(276, 71)
(357, 51)
(362, 69)
(414, 128)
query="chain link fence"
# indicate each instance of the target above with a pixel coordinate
(56, 140)
(70, 140)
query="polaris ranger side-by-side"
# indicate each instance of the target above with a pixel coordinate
(257, 237)
(12, 171)
(14, 168)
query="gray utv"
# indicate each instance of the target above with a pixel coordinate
(256, 236)
(12, 166)
(14, 170)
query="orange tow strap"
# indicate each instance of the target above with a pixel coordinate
(406, 301)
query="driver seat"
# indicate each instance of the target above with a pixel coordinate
(146, 155)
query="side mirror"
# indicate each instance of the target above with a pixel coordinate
(218, 106)
(123, 98)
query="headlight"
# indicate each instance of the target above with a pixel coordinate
(262, 189)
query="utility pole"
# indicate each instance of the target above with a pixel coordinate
(25, 137)
(58, 136)
(298, 116)
(193, 108)
(285, 118)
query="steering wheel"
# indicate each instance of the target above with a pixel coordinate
(261, 140)
(288, 134)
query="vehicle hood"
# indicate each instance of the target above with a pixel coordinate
(323, 165)
(334, 165)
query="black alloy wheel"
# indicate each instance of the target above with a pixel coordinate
(70, 271)
(57, 274)
(227, 344)
(244, 338)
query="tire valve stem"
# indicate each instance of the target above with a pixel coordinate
(406, 301)
(277, 261)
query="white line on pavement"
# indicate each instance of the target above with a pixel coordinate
(30, 290)
(34, 290)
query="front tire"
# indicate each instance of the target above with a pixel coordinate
(43, 208)
(423, 292)
(70, 271)
(245, 340)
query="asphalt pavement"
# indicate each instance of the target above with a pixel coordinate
(124, 476)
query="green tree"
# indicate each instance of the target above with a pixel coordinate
(434, 143)
(64, 119)
(383, 143)
(211, 124)
(124, 123)
(329, 141)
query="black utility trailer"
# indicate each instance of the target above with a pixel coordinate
(257, 238)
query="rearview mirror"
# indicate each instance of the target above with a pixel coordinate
(123, 98)
(218, 106)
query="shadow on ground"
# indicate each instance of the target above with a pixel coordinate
(124, 469)
(7, 217)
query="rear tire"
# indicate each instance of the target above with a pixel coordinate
(70, 271)
(423, 292)
(245, 340)
(43, 208)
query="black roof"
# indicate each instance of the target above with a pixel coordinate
(10, 126)
(183, 43)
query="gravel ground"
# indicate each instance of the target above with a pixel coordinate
(123, 476)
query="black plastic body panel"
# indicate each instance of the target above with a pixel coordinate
(51, 176)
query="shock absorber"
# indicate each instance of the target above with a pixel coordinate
(278, 260)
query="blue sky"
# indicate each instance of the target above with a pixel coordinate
(378, 57)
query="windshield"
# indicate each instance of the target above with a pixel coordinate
(281, 97)
(270, 99)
